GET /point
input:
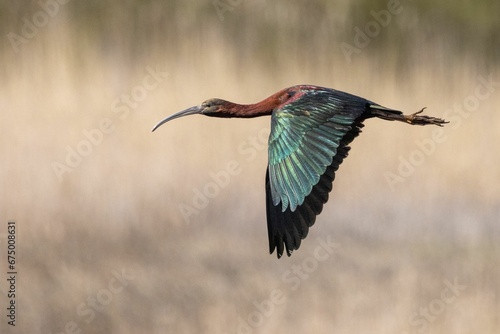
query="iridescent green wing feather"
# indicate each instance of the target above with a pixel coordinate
(309, 140)
(305, 135)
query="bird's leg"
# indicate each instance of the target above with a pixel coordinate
(416, 119)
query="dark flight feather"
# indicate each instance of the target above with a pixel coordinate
(305, 150)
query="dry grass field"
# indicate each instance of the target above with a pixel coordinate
(113, 236)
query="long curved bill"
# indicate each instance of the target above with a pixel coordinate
(190, 111)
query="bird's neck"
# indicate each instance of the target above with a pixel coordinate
(250, 110)
(262, 108)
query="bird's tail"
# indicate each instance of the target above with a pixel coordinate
(396, 115)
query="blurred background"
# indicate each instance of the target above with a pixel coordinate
(120, 230)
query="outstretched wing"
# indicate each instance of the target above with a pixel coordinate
(309, 140)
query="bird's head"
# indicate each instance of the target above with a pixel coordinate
(211, 107)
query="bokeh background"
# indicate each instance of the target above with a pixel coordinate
(112, 234)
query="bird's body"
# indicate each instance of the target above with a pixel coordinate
(311, 128)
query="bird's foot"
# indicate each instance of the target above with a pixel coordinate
(415, 119)
(411, 118)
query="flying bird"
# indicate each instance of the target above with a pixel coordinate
(311, 129)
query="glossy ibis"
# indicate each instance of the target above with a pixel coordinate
(311, 128)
